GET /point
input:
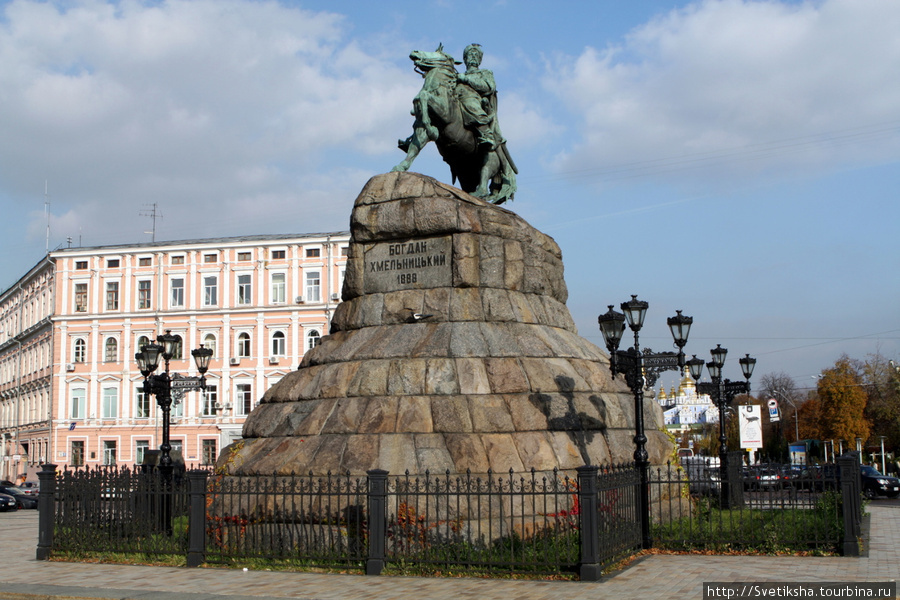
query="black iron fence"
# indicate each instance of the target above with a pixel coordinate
(537, 522)
(764, 509)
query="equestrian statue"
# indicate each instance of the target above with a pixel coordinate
(458, 112)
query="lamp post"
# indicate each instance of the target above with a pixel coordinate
(723, 392)
(162, 384)
(881, 438)
(635, 365)
(784, 396)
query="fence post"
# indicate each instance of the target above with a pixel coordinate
(848, 471)
(46, 511)
(589, 567)
(377, 508)
(197, 518)
(736, 487)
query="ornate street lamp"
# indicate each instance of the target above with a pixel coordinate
(162, 384)
(639, 368)
(723, 392)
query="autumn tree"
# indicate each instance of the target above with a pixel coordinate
(882, 381)
(809, 418)
(842, 402)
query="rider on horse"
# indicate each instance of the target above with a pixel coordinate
(477, 97)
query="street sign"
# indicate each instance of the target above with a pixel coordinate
(773, 410)
(186, 383)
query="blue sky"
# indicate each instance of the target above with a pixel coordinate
(734, 159)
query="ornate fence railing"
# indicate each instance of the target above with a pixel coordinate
(536, 522)
(761, 509)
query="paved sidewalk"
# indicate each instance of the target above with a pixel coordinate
(665, 576)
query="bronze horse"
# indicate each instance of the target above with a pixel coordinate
(488, 173)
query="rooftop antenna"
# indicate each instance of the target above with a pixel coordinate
(154, 213)
(47, 211)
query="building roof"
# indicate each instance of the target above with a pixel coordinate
(270, 237)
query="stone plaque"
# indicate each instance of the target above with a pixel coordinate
(407, 265)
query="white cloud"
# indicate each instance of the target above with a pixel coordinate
(735, 87)
(191, 104)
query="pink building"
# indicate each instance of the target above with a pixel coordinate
(70, 391)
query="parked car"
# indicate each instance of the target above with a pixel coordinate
(705, 482)
(875, 484)
(768, 479)
(31, 488)
(789, 473)
(7, 503)
(23, 500)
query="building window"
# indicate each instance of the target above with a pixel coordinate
(278, 254)
(210, 398)
(177, 260)
(80, 265)
(80, 349)
(177, 349)
(140, 451)
(111, 350)
(345, 250)
(209, 452)
(313, 286)
(312, 339)
(244, 256)
(278, 288)
(77, 403)
(80, 297)
(278, 344)
(112, 263)
(143, 404)
(144, 294)
(112, 295)
(110, 403)
(244, 289)
(209, 341)
(177, 295)
(210, 291)
(144, 262)
(142, 341)
(313, 253)
(210, 258)
(76, 453)
(244, 398)
(109, 452)
(243, 345)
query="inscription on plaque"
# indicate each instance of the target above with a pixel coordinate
(407, 265)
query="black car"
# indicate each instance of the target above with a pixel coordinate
(875, 484)
(7, 503)
(23, 500)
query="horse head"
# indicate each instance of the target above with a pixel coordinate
(426, 61)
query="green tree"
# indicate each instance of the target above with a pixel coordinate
(842, 402)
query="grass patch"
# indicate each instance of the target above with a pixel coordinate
(759, 531)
